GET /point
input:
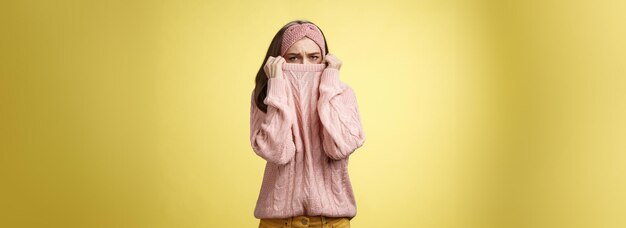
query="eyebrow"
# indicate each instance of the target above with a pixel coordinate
(299, 53)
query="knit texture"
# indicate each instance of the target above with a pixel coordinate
(296, 32)
(311, 127)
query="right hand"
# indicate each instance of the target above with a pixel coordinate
(274, 67)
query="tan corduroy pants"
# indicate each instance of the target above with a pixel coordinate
(306, 221)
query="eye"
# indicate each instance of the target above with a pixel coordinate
(292, 58)
(314, 57)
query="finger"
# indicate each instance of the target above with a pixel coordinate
(279, 65)
(279, 61)
(269, 61)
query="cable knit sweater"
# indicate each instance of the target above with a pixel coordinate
(311, 127)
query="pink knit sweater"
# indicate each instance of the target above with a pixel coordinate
(311, 127)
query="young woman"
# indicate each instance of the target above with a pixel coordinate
(305, 123)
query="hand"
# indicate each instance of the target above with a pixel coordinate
(274, 67)
(332, 61)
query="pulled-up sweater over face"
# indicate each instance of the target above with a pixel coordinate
(311, 127)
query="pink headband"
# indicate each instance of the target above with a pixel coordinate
(299, 31)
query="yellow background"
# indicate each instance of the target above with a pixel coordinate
(476, 113)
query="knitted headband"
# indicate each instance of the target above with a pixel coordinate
(298, 31)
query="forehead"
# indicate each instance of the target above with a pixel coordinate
(304, 45)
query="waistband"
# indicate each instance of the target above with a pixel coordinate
(308, 219)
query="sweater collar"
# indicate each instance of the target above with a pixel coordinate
(304, 67)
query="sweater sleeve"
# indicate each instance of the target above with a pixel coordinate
(342, 130)
(271, 136)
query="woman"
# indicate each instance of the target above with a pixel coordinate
(305, 123)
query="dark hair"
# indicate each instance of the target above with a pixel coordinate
(260, 90)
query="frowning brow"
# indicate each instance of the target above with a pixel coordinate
(314, 53)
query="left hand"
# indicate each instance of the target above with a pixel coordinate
(332, 61)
